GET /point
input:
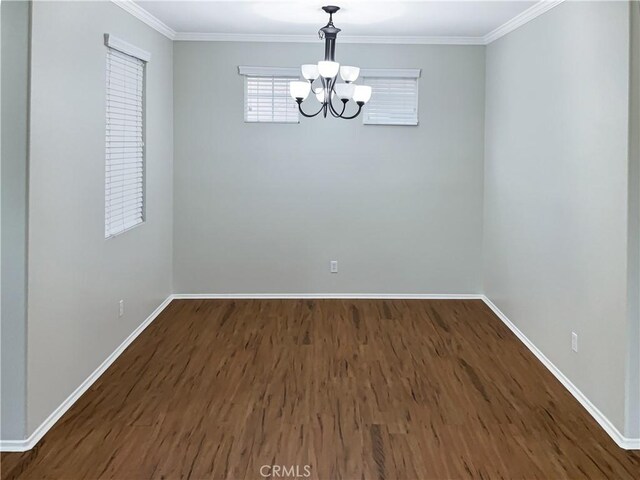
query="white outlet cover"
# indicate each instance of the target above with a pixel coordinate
(574, 341)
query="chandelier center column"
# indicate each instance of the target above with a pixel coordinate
(329, 32)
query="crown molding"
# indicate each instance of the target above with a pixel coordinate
(255, 37)
(532, 12)
(529, 14)
(145, 17)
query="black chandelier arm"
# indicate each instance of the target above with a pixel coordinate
(299, 102)
(332, 109)
(360, 105)
(334, 112)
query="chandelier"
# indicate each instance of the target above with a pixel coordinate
(322, 79)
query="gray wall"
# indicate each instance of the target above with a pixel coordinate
(265, 207)
(15, 73)
(76, 277)
(556, 160)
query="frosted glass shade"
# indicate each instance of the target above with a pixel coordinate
(345, 90)
(349, 74)
(362, 93)
(328, 69)
(310, 72)
(320, 95)
(299, 89)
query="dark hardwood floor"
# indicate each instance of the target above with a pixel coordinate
(352, 388)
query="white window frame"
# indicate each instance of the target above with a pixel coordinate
(117, 47)
(388, 73)
(287, 74)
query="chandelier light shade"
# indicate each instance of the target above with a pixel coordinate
(310, 72)
(299, 89)
(328, 69)
(322, 79)
(362, 93)
(349, 74)
(345, 90)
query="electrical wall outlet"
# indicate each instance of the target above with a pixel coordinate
(334, 266)
(120, 308)
(574, 341)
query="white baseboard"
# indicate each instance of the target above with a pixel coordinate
(34, 438)
(622, 441)
(355, 296)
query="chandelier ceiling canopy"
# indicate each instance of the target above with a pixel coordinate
(322, 79)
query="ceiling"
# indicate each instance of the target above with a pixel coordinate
(366, 20)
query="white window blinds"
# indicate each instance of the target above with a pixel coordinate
(394, 101)
(267, 99)
(124, 179)
(266, 94)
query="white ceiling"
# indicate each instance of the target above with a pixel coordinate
(358, 18)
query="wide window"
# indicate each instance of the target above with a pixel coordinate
(394, 98)
(125, 149)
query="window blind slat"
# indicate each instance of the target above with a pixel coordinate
(124, 143)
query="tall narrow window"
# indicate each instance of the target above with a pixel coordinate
(125, 149)
(394, 98)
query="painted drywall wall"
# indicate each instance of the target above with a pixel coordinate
(555, 210)
(76, 277)
(15, 72)
(266, 207)
(632, 414)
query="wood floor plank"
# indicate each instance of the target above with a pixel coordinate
(355, 389)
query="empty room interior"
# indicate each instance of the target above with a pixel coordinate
(293, 239)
